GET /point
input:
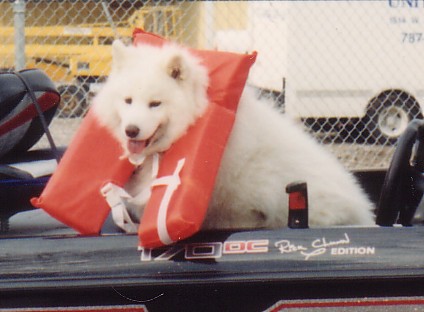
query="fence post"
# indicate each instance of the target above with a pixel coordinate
(19, 25)
(110, 20)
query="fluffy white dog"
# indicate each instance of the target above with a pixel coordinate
(151, 98)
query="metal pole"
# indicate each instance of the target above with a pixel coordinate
(19, 24)
(209, 24)
(110, 19)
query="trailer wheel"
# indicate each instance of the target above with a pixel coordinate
(73, 101)
(388, 116)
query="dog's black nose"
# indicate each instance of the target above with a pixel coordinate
(132, 131)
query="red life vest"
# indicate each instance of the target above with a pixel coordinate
(91, 160)
(187, 171)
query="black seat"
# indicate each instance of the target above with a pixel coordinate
(28, 102)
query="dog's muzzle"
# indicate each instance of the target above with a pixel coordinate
(135, 146)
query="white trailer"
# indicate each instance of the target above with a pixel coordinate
(341, 60)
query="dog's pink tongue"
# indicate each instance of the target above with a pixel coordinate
(136, 147)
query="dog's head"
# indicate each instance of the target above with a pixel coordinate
(151, 97)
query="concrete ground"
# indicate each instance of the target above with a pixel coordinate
(36, 222)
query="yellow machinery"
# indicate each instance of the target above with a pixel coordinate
(78, 57)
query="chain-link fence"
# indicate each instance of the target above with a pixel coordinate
(349, 71)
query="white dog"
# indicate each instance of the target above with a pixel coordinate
(151, 98)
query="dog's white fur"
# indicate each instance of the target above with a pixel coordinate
(162, 91)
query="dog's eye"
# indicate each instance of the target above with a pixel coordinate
(153, 104)
(128, 100)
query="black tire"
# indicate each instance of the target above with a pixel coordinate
(73, 101)
(389, 115)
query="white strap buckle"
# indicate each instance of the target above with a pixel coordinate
(115, 196)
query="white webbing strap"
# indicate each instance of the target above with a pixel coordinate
(115, 196)
(155, 165)
(171, 182)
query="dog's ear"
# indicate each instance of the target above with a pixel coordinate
(175, 67)
(118, 54)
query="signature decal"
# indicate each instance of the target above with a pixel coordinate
(320, 246)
